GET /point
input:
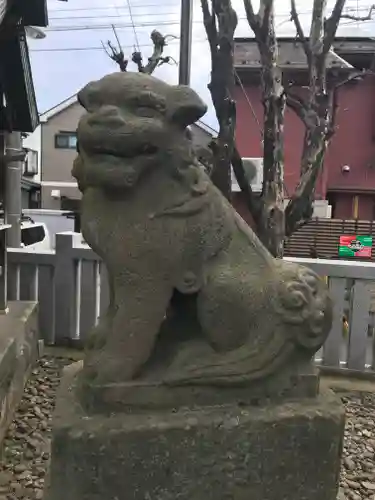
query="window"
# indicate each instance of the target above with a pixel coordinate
(66, 140)
(31, 163)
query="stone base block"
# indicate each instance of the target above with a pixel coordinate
(18, 353)
(287, 451)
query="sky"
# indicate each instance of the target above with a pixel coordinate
(71, 54)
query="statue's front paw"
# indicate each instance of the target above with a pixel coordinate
(96, 340)
(100, 369)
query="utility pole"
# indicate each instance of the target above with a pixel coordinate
(3, 232)
(13, 194)
(186, 28)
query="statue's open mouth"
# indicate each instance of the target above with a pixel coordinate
(130, 152)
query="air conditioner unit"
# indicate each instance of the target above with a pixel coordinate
(31, 163)
(254, 172)
(322, 209)
(55, 194)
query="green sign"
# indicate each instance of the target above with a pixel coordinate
(355, 246)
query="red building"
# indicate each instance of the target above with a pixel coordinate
(348, 177)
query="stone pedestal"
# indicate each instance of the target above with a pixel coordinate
(287, 451)
(18, 353)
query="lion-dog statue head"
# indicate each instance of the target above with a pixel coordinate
(134, 123)
(164, 231)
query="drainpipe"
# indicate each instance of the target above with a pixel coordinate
(3, 233)
(14, 156)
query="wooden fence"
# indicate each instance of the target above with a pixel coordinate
(71, 286)
(320, 237)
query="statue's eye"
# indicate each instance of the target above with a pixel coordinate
(147, 112)
(77, 146)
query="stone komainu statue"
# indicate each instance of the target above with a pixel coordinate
(195, 299)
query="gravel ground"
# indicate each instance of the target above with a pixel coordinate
(358, 468)
(26, 447)
(26, 451)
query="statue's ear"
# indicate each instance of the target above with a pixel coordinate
(184, 106)
(88, 96)
(83, 96)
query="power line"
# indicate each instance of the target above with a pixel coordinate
(108, 26)
(138, 6)
(247, 98)
(93, 27)
(133, 25)
(112, 16)
(125, 24)
(155, 14)
(177, 4)
(124, 47)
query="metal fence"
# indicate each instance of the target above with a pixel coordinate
(71, 286)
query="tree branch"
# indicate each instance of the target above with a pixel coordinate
(116, 54)
(210, 27)
(159, 41)
(251, 201)
(300, 207)
(300, 34)
(368, 17)
(265, 15)
(156, 59)
(297, 104)
(331, 24)
(252, 18)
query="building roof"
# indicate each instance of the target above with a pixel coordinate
(204, 126)
(58, 108)
(291, 55)
(346, 52)
(282, 38)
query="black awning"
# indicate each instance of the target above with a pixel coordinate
(32, 12)
(17, 83)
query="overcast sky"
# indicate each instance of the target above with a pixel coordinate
(72, 54)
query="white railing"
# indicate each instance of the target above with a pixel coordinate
(69, 282)
(71, 286)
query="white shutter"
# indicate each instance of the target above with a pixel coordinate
(257, 182)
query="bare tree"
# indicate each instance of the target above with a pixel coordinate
(220, 21)
(316, 110)
(157, 58)
(270, 221)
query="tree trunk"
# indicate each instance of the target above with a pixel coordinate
(220, 23)
(271, 224)
(300, 208)
(224, 144)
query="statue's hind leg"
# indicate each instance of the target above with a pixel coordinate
(224, 308)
